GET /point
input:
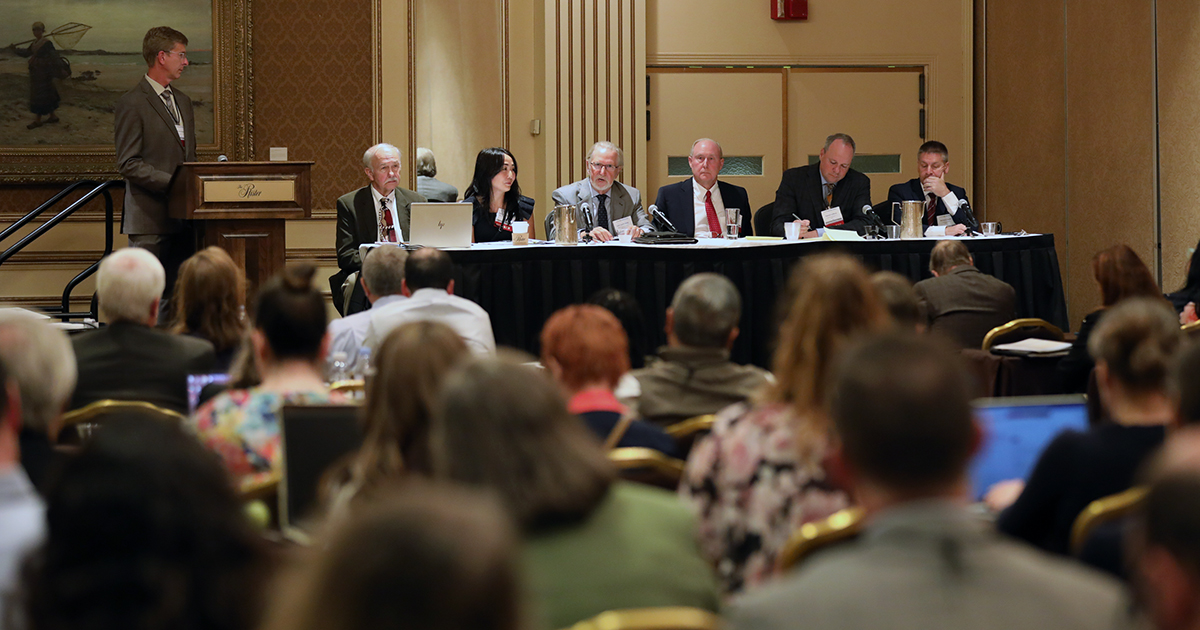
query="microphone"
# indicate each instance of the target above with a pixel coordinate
(222, 158)
(972, 222)
(585, 211)
(869, 212)
(661, 218)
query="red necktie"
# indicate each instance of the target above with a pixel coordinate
(930, 210)
(389, 228)
(714, 226)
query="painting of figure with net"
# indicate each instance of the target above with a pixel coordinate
(63, 65)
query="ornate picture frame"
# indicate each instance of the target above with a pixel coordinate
(231, 132)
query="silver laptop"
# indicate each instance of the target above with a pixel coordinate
(440, 224)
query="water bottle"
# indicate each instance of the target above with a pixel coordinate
(362, 367)
(338, 370)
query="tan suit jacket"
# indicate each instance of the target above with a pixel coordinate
(965, 303)
(148, 152)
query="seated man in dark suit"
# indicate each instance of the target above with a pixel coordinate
(960, 301)
(944, 203)
(693, 375)
(901, 407)
(129, 359)
(826, 194)
(695, 204)
(376, 213)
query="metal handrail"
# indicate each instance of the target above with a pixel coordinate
(98, 189)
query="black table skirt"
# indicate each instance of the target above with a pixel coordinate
(520, 287)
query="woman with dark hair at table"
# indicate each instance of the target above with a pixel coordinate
(497, 196)
(1121, 274)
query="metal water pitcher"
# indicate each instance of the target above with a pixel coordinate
(910, 218)
(566, 230)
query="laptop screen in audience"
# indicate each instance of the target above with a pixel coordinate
(196, 382)
(1015, 432)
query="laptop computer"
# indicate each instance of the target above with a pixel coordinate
(440, 224)
(1015, 432)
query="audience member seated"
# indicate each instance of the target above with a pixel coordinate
(428, 186)
(383, 283)
(209, 303)
(900, 299)
(692, 374)
(497, 196)
(584, 347)
(1190, 292)
(143, 531)
(627, 310)
(591, 544)
(760, 474)
(39, 359)
(1121, 274)
(413, 360)
(21, 509)
(961, 302)
(428, 284)
(129, 359)
(427, 557)
(1134, 347)
(902, 412)
(1166, 558)
(242, 425)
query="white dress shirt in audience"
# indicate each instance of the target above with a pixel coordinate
(467, 318)
(22, 523)
(349, 333)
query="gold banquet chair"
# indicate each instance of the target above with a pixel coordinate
(648, 466)
(86, 418)
(809, 537)
(659, 618)
(1022, 328)
(1104, 510)
(686, 432)
(1192, 330)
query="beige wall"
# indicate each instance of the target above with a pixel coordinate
(1179, 121)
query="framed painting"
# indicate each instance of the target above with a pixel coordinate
(57, 128)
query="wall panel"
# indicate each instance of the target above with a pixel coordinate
(1179, 129)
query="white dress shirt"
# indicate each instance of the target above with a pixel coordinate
(952, 203)
(22, 526)
(159, 89)
(349, 333)
(382, 237)
(467, 318)
(701, 211)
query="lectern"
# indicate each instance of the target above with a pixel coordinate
(243, 207)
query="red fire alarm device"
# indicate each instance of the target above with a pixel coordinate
(789, 9)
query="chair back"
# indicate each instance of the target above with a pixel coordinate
(659, 618)
(1022, 328)
(839, 527)
(648, 466)
(353, 388)
(686, 432)
(1192, 330)
(762, 220)
(78, 424)
(313, 437)
(1104, 510)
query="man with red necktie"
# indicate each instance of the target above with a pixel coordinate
(378, 212)
(696, 206)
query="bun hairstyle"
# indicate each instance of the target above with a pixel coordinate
(1137, 340)
(291, 313)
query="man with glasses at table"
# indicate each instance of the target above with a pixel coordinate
(609, 201)
(155, 132)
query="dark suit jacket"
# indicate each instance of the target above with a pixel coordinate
(356, 224)
(676, 201)
(127, 361)
(966, 303)
(800, 193)
(911, 191)
(623, 201)
(148, 152)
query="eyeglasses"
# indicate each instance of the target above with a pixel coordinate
(182, 55)
(611, 168)
(705, 159)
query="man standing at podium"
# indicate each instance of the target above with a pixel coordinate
(155, 133)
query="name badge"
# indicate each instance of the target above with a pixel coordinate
(945, 220)
(832, 216)
(623, 225)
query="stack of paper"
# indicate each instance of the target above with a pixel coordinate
(1033, 347)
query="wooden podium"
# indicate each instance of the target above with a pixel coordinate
(243, 207)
